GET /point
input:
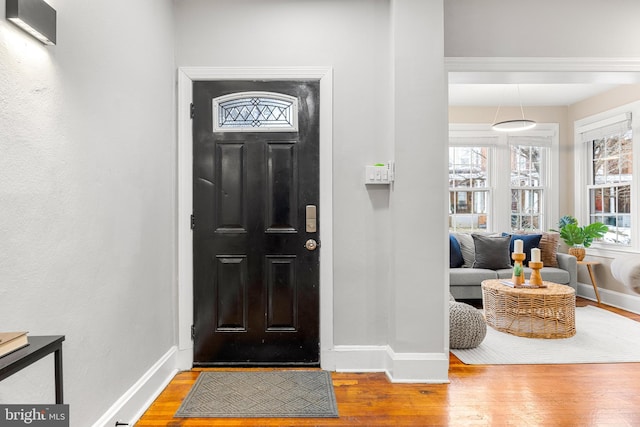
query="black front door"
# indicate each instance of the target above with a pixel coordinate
(256, 284)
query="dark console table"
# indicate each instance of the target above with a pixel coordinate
(39, 347)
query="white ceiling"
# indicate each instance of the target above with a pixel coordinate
(549, 94)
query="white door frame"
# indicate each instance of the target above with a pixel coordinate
(186, 76)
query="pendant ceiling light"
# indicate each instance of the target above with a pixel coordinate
(514, 125)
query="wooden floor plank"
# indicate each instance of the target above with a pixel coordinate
(477, 395)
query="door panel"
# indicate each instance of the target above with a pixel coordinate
(231, 299)
(256, 287)
(231, 195)
(282, 307)
(282, 187)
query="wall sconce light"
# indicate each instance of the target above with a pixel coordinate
(35, 17)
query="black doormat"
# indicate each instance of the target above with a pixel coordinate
(268, 394)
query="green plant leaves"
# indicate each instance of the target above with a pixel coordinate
(517, 270)
(567, 219)
(573, 235)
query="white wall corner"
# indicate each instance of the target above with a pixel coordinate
(135, 401)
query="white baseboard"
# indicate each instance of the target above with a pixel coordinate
(359, 358)
(428, 368)
(131, 405)
(615, 299)
(399, 367)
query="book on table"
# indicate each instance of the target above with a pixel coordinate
(12, 341)
(525, 285)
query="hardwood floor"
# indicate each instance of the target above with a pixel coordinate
(485, 395)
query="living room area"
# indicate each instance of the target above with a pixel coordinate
(527, 181)
(574, 164)
(573, 82)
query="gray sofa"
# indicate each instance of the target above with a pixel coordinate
(464, 283)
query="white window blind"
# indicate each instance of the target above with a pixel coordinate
(536, 141)
(478, 141)
(618, 124)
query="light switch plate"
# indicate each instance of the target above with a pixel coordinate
(378, 175)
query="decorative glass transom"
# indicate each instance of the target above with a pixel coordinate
(255, 112)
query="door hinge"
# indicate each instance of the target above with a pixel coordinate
(192, 110)
(193, 332)
(193, 221)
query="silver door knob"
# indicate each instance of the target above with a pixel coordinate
(311, 245)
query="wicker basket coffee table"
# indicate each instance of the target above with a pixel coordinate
(533, 313)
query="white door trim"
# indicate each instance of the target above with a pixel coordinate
(186, 76)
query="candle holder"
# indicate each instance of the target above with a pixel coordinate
(535, 278)
(517, 258)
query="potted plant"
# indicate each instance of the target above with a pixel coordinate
(578, 238)
(517, 276)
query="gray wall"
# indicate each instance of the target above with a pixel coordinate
(419, 197)
(381, 295)
(544, 28)
(87, 198)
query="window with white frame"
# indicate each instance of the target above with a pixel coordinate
(607, 184)
(528, 181)
(469, 187)
(502, 182)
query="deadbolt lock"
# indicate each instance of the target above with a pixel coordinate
(311, 218)
(311, 245)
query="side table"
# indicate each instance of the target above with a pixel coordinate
(590, 265)
(39, 347)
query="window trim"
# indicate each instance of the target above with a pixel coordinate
(457, 138)
(500, 185)
(547, 175)
(581, 164)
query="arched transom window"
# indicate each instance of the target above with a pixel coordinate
(255, 112)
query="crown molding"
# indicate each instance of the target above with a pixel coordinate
(528, 64)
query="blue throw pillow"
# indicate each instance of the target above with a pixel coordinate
(529, 241)
(455, 253)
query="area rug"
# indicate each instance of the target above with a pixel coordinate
(601, 337)
(272, 394)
